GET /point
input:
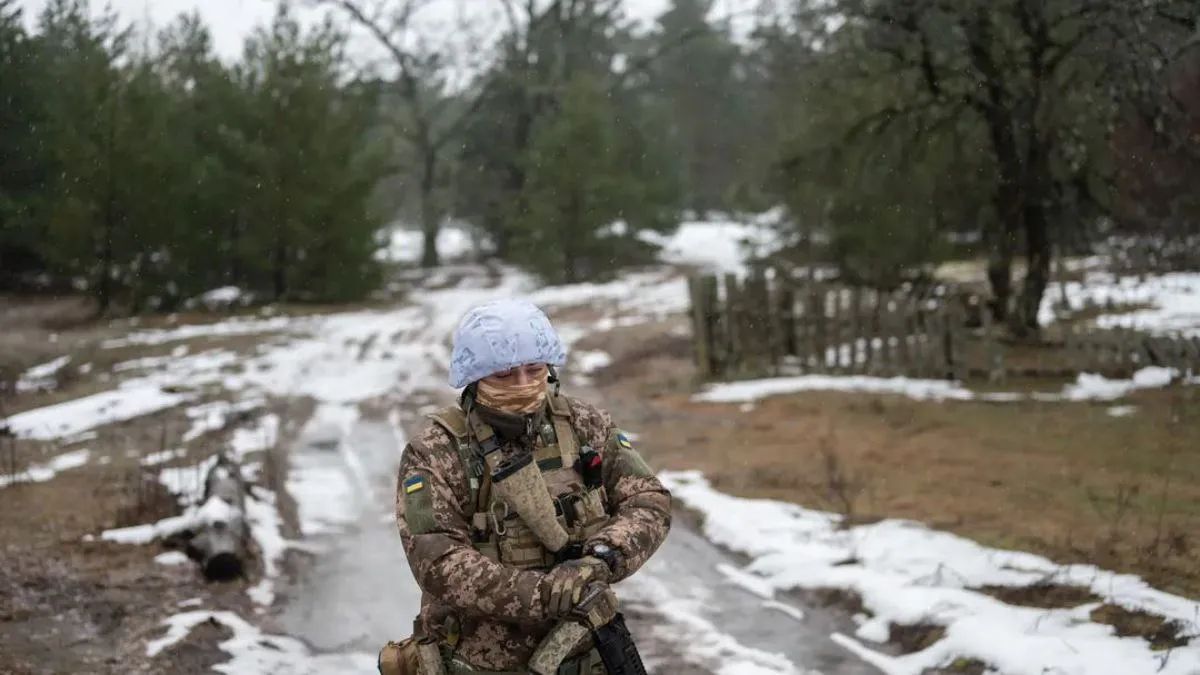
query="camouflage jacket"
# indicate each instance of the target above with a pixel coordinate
(497, 607)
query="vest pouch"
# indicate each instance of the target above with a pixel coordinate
(519, 483)
(593, 512)
(410, 657)
(521, 548)
(399, 658)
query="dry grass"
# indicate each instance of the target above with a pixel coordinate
(1053, 478)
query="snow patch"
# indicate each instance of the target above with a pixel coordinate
(1092, 387)
(83, 414)
(1173, 299)
(172, 558)
(214, 510)
(40, 473)
(41, 377)
(719, 245)
(230, 327)
(405, 245)
(254, 652)
(753, 390)
(906, 573)
(1087, 387)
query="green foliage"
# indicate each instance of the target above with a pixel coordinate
(697, 79)
(583, 177)
(148, 178)
(906, 121)
(24, 164)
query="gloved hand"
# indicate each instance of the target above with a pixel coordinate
(563, 586)
(600, 570)
(597, 607)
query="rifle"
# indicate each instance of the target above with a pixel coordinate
(519, 483)
(596, 614)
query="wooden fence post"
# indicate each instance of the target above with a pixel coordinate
(703, 293)
(817, 326)
(733, 319)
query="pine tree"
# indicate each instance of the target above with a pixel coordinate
(581, 179)
(24, 164)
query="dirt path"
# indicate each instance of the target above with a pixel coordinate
(689, 608)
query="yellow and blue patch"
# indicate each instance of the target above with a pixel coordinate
(414, 484)
(623, 441)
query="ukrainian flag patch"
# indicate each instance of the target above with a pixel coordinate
(414, 484)
(623, 441)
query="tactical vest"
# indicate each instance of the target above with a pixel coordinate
(496, 530)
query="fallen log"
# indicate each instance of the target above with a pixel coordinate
(219, 545)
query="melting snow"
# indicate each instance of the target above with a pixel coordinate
(1087, 387)
(171, 558)
(719, 245)
(1173, 299)
(230, 327)
(40, 473)
(89, 412)
(254, 651)
(907, 573)
(41, 377)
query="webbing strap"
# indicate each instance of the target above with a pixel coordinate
(568, 444)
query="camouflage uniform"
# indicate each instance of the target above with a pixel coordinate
(475, 596)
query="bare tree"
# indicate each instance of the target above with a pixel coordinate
(432, 115)
(1028, 74)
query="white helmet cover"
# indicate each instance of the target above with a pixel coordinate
(499, 335)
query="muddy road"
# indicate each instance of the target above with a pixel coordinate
(691, 609)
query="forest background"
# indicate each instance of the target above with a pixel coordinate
(144, 170)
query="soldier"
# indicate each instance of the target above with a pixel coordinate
(496, 579)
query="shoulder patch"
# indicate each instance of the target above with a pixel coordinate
(631, 462)
(418, 504)
(414, 484)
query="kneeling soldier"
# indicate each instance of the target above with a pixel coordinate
(517, 505)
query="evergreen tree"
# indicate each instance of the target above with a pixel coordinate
(79, 56)
(581, 179)
(695, 77)
(313, 236)
(24, 164)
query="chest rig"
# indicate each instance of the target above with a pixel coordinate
(496, 530)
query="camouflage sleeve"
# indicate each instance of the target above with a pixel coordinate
(638, 501)
(431, 511)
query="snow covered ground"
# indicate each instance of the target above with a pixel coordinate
(1086, 387)
(1172, 300)
(906, 574)
(42, 472)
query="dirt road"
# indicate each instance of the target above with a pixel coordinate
(690, 608)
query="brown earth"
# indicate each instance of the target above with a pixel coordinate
(70, 603)
(1066, 480)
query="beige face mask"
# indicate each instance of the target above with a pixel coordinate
(519, 399)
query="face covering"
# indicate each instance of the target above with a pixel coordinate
(518, 399)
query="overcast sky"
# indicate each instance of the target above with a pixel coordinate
(230, 21)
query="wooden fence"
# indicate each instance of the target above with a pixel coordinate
(759, 326)
(764, 325)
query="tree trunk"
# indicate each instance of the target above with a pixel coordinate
(1037, 252)
(104, 283)
(233, 269)
(1001, 243)
(279, 264)
(429, 211)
